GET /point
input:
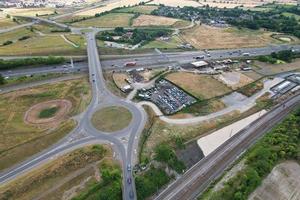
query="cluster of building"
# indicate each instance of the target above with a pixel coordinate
(208, 67)
(39, 3)
(168, 97)
(290, 83)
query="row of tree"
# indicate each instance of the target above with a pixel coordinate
(15, 63)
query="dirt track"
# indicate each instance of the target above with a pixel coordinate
(32, 115)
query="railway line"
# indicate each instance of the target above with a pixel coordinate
(198, 178)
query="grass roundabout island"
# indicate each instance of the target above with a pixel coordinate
(111, 119)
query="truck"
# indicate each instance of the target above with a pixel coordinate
(130, 64)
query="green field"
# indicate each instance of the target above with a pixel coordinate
(297, 17)
(139, 9)
(169, 44)
(43, 45)
(109, 20)
(15, 35)
(111, 119)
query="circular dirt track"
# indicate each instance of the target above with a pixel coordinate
(111, 119)
(32, 115)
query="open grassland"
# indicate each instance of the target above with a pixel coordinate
(108, 7)
(15, 35)
(172, 43)
(175, 3)
(270, 69)
(208, 37)
(42, 45)
(201, 86)
(19, 140)
(32, 12)
(111, 119)
(297, 17)
(150, 20)
(6, 23)
(62, 178)
(144, 9)
(109, 20)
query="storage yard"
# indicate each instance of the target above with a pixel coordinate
(167, 97)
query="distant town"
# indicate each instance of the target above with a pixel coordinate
(39, 3)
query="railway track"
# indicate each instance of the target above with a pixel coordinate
(198, 178)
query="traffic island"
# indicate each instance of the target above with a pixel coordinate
(111, 119)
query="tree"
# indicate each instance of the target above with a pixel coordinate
(2, 80)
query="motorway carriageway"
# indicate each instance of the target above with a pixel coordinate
(148, 60)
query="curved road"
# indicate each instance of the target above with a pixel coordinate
(124, 142)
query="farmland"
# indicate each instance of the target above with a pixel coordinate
(207, 37)
(149, 20)
(18, 135)
(109, 20)
(139, 9)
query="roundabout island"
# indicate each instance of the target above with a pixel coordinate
(111, 119)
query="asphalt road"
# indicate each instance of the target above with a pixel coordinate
(198, 178)
(124, 142)
(153, 60)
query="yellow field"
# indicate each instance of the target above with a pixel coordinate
(109, 20)
(108, 7)
(208, 37)
(29, 11)
(15, 35)
(140, 9)
(150, 20)
(5, 23)
(42, 45)
(201, 86)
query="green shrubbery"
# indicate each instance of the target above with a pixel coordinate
(109, 188)
(165, 154)
(138, 35)
(286, 56)
(15, 63)
(280, 144)
(150, 182)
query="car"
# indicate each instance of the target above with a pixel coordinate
(128, 167)
(131, 194)
(93, 81)
(129, 180)
(199, 57)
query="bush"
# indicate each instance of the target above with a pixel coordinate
(7, 43)
(165, 154)
(150, 182)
